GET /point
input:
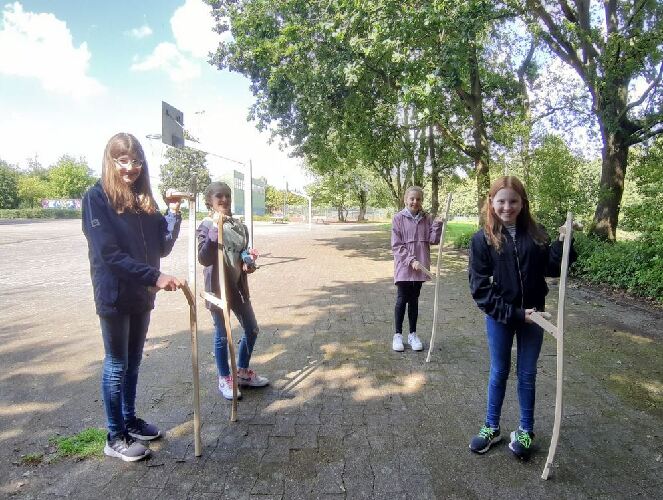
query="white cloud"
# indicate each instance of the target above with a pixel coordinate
(39, 45)
(193, 28)
(167, 57)
(141, 32)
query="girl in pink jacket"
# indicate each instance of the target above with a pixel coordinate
(412, 233)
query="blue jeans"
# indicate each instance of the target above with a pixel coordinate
(529, 338)
(247, 319)
(124, 337)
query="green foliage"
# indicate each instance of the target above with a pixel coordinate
(8, 186)
(32, 459)
(460, 233)
(69, 178)
(87, 443)
(32, 189)
(182, 165)
(274, 199)
(635, 266)
(39, 213)
(645, 212)
(559, 182)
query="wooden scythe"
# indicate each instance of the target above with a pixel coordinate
(189, 290)
(541, 319)
(437, 278)
(223, 292)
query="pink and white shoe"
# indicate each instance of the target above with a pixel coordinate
(248, 378)
(226, 387)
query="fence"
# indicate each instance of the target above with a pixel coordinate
(299, 213)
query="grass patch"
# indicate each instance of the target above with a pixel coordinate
(87, 443)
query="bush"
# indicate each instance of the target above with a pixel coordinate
(39, 213)
(635, 266)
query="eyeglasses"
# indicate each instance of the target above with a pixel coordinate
(126, 163)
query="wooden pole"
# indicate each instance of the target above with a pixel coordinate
(560, 344)
(223, 292)
(193, 321)
(437, 279)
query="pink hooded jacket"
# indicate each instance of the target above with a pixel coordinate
(411, 240)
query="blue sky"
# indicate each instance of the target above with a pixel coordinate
(74, 72)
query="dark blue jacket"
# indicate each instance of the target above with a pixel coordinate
(505, 283)
(124, 252)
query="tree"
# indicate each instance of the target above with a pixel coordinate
(182, 165)
(69, 178)
(8, 185)
(554, 188)
(332, 189)
(612, 45)
(32, 189)
(274, 199)
(377, 84)
(645, 213)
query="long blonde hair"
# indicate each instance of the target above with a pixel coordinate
(492, 224)
(123, 197)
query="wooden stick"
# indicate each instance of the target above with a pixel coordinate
(193, 323)
(560, 345)
(541, 319)
(437, 279)
(193, 317)
(426, 272)
(223, 292)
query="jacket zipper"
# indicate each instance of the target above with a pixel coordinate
(140, 224)
(520, 276)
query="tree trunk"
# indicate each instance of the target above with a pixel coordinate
(363, 197)
(435, 173)
(481, 149)
(611, 187)
(610, 103)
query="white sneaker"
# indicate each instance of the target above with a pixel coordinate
(414, 342)
(249, 378)
(226, 388)
(397, 343)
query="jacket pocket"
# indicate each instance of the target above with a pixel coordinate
(106, 290)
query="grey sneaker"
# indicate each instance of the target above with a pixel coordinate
(126, 449)
(139, 429)
(249, 378)
(487, 437)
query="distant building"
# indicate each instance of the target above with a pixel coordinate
(235, 179)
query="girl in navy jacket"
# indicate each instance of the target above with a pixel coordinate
(127, 237)
(509, 260)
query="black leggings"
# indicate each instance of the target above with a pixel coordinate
(408, 294)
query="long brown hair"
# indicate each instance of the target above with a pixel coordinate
(492, 224)
(123, 197)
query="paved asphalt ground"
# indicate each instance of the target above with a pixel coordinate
(345, 416)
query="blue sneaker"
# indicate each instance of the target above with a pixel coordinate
(521, 443)
(487, 436)
(139, 429)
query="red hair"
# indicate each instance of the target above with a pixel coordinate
(492, 224)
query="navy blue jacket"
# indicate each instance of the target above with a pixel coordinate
(505, 283)
(124, 251)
